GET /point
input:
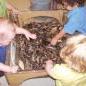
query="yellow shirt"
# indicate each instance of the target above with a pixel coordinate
(3, 8)
(67, 77)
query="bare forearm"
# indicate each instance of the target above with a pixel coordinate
(48, 69)
(60, 35)
(49, 66)
(20, 30)
(50, 72)
(5, 68)
(57, 37)
(28, 35)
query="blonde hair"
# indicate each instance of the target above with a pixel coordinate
(74, 54)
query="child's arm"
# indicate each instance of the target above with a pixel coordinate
(52, 70)
(57, 37)
(8, 69)
(20, 30)
(49, 67)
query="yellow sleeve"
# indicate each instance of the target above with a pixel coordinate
(64, 73)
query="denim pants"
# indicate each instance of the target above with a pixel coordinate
(2, 54)
(2, 57)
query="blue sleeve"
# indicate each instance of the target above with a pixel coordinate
(72, 25)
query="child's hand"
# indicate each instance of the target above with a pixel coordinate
(30, 35)
(25, 32)
(33, 36)
(49, 62)
(50, 46)
(14, 69)
(54, 41)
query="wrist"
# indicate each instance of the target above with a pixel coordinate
(10, 69)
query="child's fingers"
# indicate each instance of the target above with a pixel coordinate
(50, 46)
(49, 62)
(33, 36)
(28, 37)
(14, 69)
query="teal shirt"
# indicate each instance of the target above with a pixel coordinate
(3, 8)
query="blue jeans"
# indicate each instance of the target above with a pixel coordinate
(3, 54)
(2, 57)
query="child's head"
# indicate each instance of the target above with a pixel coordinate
(7, 32)
(75, 55)
(71, 4)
